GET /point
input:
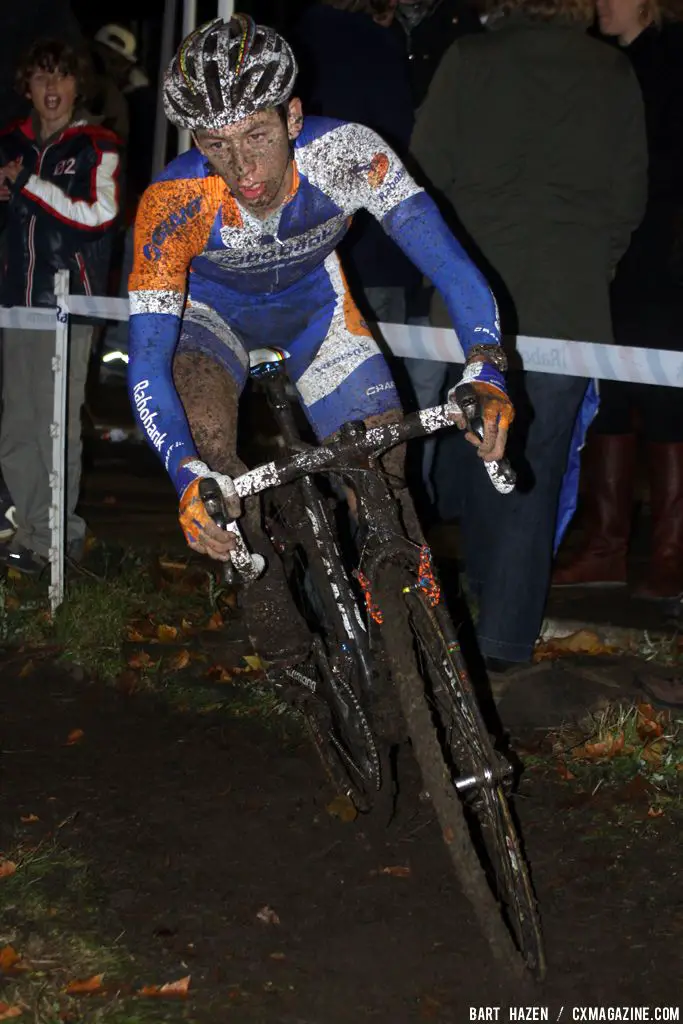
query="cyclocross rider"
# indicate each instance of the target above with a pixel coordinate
(235, 250)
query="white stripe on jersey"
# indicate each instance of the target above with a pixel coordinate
(156, 300)
(81, 212)
(340, 353)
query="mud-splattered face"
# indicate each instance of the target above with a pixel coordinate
(254, 156)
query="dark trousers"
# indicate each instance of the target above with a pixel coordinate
(508, 539)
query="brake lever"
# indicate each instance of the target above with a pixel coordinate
(247, 566)
(502, 475)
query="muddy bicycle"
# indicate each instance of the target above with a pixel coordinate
(385, 665)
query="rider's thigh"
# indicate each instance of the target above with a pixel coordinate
(210, 397)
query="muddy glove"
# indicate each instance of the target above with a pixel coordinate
(201, 533)
(496, 408)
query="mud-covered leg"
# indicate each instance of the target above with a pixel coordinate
(210, 397)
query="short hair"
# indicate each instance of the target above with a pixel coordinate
(55, 55)
(371, 7)
(578, 11)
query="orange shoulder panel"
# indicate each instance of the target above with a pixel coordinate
(172, 226)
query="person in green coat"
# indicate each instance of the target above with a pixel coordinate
(533, 135)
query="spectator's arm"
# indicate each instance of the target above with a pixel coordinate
(92, 200)
(629, 182)
(433, 145)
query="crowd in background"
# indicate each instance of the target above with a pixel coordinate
(551, 134)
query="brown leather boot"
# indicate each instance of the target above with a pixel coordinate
(664, 577)
(601, 561)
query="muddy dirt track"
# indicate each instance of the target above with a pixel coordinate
(192, 823)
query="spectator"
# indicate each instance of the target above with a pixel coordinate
(647, 305)
(336, 38)
(429, 28)
(58, 186)
(534, 132)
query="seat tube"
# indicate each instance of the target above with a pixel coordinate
(281, 404)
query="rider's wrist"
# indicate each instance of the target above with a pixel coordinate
(493, 354)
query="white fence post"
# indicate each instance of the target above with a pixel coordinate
(189, 24)
(58, 433)
(226, 9)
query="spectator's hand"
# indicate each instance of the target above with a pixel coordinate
(496, 408)
(11, 171)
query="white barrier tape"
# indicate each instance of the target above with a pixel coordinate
(543, 355)
(32, 319)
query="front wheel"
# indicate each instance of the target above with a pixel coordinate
(461, 771)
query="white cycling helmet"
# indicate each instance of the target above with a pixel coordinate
(225, 71)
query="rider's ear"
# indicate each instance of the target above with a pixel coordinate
(295, 118)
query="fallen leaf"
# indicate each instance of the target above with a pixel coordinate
(342, 807)
(167, 634)
(254, 662)
(608, 746)
(584, 641)
(215, 622)
(172, 989)
(7, 1011)
(167, 563)
(448, 835)
(75, 736)
(93, 984)
(655, 812)
(179, 661)
(7, 867)
(278, 956)
(650, 723)
(12, 603)
(8, 958)
(26, 669)
(28, 818)
(653, 753)
(140, 659)
(219, 674)
(564, 772)
(127, 682)
(14, 574)
(134, 635)
(396, 871)
(267, 916)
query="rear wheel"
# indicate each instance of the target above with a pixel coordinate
(461, 771)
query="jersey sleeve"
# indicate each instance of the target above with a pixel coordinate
(361, 171)
(421, 232)
(171, 228)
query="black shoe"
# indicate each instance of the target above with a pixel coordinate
(279, 634)
(23, 560)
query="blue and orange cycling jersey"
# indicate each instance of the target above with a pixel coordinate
(210, 276)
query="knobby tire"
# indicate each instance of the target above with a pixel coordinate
(406, 632)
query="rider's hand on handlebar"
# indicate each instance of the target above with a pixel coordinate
(201, 533)
(497, 411)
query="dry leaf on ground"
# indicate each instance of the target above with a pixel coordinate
(26, 669)
(564, 772)
(172, 989)
(651, 723)
(215, 622)
(93, 984)
(134, 635)
(278, 956)
(9, 958)
(266, 915)
(655, 812)
(342, 807)
(7, 1011)
(140, 659)
(28, 818)
(7, 867)
(584, 641)
(653, 753)
(396, 871)
(75, 736)
(167, 634)
(605, 747)
(218, 674)
(178, 661)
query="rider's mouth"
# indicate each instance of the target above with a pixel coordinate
(252, 192)
(52, 102)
